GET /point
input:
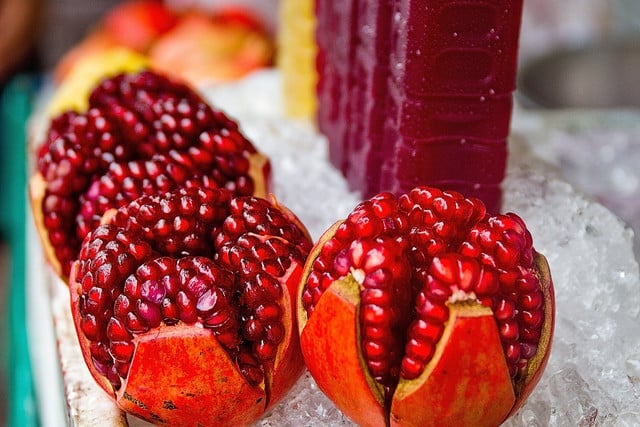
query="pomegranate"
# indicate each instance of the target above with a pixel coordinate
(184, 305)
(425, 310)
(143, 133)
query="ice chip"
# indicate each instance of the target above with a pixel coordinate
(632, 365)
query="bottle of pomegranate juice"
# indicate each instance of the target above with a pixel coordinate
(426, 95)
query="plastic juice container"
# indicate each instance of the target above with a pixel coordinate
(425, 96)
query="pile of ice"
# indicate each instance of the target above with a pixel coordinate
(593, 376)
(598, 151)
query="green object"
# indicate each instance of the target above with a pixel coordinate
(15, 108)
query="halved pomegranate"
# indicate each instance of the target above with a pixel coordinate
(184, 306)
(142, 134)
(424, 310)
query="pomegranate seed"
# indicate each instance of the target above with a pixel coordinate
(116, 330)
(531, 319)
(121, 350)
(134, 324)
(152, 291)
(505, 310)
(268, 312)
(270, 286)
(253, 373)
(170, 313)
(488, 283)
(122, 306)
(411, 368)
(253, 330)
(265, 350)
(187, 308)
(527, 351)
(122, 368)
(218, 319)
(531, 301)
(149, 313)
(509, 331)
(427, 331)
(275, 332)
(90, 327)
(512, 353)
(419, 350)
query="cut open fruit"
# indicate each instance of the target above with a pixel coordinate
(425, 310)
(184, 306)
(143, 133)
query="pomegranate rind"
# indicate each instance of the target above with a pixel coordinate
(73, 92)
(37, 192)
(181, 375)
(313, 254)
(75, 290)
(289, 363)
(341, 375)
(466, 383)
(356, 394)
(538, 363)
(260, 173)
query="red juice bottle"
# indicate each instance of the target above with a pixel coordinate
(365, 150)
(452, 76)
(418, 92)
(336, 23)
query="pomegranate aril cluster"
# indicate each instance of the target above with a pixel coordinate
(261, 264)
(505, 243)
(175, 258)
(142, 134)
(447, 274)
(414, 255)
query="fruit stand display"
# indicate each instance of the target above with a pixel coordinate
(564, 225)
(209, 258)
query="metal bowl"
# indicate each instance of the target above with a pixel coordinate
(598, 76)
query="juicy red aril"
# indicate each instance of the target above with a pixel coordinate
(142, 134)
(412, 256)
(186, 275)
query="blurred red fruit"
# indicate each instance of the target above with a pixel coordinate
(137, 24)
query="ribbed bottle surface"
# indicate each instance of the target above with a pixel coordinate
(418, 92)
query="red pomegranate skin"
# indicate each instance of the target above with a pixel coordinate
(183, 304)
